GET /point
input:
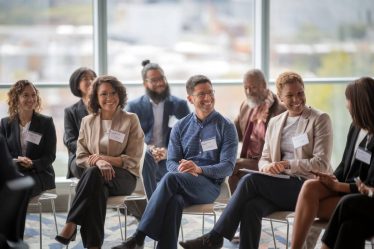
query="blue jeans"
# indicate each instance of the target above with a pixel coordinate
(162, 217)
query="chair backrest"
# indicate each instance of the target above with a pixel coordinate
(225, 193)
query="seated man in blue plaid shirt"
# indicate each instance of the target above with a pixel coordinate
(201, 153)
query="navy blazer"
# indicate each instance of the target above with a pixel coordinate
(72, 123)
(42, 155)
(7, 169)
(142, 106)
(345, 172)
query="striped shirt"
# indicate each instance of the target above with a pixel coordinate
(187, 137)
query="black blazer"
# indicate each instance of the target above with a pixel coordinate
(42, 155)
(7, 169)
(345, 172)
(72, 123)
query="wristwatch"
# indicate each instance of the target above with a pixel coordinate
(370, 193)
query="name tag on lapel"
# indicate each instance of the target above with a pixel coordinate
(209, 144)
(116, 136)
(363, 155)
(300, 140)
(33, 137)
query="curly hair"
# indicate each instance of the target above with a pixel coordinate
(13, 96)
(118, 87)
(287, 78)
(360, 94)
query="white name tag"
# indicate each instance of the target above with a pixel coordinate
(300, 140)
(33, 137)
(172, 121)
(363, 155)
(209, 144)
(116, 136)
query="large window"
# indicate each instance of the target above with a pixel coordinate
(184, 37)
(44, 40)
(330, 38)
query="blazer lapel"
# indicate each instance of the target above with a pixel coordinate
(95, 134)
(15, 127)
(352, 143)
(278, 132)
(301, 128)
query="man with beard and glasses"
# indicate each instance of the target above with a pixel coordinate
(255, 112)
(158, 111)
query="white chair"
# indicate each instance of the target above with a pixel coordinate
(37, 202)
(211, 208)
(280, 217)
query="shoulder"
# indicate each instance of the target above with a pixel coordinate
(137, 100)
(313, 113)
(42, 117)
(177, 100)
(223, 120)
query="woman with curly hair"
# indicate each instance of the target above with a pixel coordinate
(30, 136)
(109, 147)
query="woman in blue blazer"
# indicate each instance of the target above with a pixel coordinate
(80, 86)
(30, 136)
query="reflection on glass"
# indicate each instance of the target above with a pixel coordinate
(331, 38)
(44, 40)
(185, 37)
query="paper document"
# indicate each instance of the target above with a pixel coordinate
(267, 174)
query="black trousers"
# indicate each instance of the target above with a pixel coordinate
(13, 209)
(351, 223)
(89, 205)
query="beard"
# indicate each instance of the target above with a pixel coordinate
(254, 101)
(158, 97)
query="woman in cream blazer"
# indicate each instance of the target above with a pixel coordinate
(109, 146)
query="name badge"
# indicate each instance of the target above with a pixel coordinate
(209, 144)
(363, 155)
(300, 140)
(116, 136)
(172, 121)
(33, 137)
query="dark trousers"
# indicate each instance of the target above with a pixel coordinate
(162, 217)
(152, 173)
(351, 223)
(13, 209)
(88, 208)
(255, 197)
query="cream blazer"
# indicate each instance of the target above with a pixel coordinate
(130, 150)
(315, 155)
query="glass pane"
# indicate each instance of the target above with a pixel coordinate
(184, 37)
(330, 38)
(44, 40)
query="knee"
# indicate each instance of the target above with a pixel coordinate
(177, 201)
(310, 189)
(92, 174)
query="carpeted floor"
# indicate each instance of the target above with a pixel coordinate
(192, 226)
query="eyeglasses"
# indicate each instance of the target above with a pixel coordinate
(202, 94)
(154, 81)
(107, 95)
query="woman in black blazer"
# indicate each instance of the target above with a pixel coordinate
(80, 85)
(353, 218)
(30, 136)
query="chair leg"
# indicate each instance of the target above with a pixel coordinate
(182, 232)
(287, 237)
(120, 222)
(202, 229)
(40, 224)
(69, 198)
(54, 213)
(125, 221)
(272, 231)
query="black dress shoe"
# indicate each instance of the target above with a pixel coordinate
(204, 242)
(130, 243)
(66, 241)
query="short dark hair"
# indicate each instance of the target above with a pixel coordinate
(195, 80)
(117, 86)
(76, 77)
(148, 65)
(360, 94)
